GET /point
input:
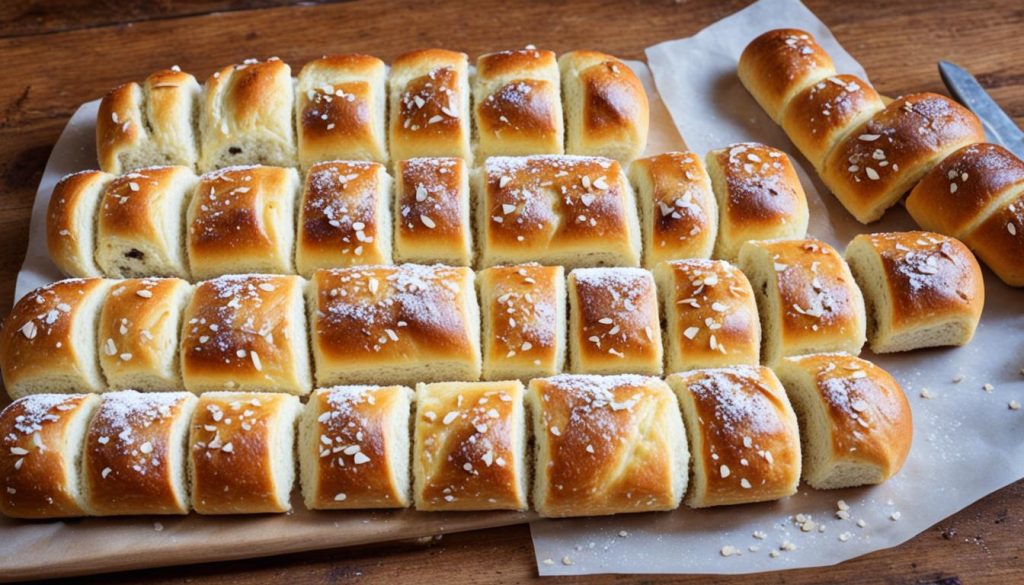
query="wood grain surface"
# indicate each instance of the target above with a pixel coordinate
(60, 53)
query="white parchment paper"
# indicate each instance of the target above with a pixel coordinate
(967, 442)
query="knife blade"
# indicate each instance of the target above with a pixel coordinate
(999, 127)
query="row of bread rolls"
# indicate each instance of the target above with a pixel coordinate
(414, 323)
(554, 209)
(870, 152)
(351, 107)
(601, 444)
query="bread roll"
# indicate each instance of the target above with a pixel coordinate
(71, 222)
(879, 161)
(743, 435)
(140, 224)
(855, 421)
(606, 109)
(999, 241)
(354, 448)
(246, 116)
(824, 113)
(340, 109)
(780, 63)
(40, 451)
(394, 325)
(977, 194)
(523, 316)
(606, 445)
(242, 219)
(48, 342)
(470, 447)
(133, 458)
(759, 196)
(806, 297)
(921, 289)
(344, 217)
(678, 212)
(710, 315)
(149, 125)
(429, 105)
(139, 334)
(568, 210)
(242, 452)
(246, 333)
(613, 322)
(966, 188)
(432, 210)
(517, 104)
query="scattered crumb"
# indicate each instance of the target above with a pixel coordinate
(729, 550)
(548, 562)
(567, 560)
(926, 394)
(987, 387)
(845, 536)
(753, 548)
(958, 378)
(623, 533)
(788, 546)
(895, 516)
(760, 535)
(773, 553)
(158, 527)
(861, 523)
(1014, 405)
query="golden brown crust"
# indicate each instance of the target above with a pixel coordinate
(518, 104)
(341, 118)
(38, 338)
(35, 435)
(759, 196)
(469, 446)
(339, 221)
(240, 332)
(868, 412)
(955, 195)
(820, 304)
(232, 452)
(746, 446)
(233, 224)
(823, 113)
(130, 454)
(72, 204)
(683, 214)
(780, 63)
(138, 325)
(523, 306)
(927, 276)
(429, 103)
(999, 241)
(126, 207)
(882, 159)
(555, 209)
(614, 114)
(356, 459)
(606, 446)
(711, 315)
(368, 318)
(615, 326)
(249, 89)
(431, 211)
(117, 125)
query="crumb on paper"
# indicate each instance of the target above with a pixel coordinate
(895, 516)
(1014, 405)
(958, 378)
(548, 562)
(773, 553)
(158, 527)
(729, 550)
(988, 387)
(926, 394)
(760, 535)
(623, 534)
(845, 536)
(861, 523)
(567, 560)
(788, 546)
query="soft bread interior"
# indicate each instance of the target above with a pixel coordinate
(697, 475)
(282, 450)
(309, 451)
(871, 276)
(541, 451)
(299, 332)
(679, 450)
(177, 447)
(385, 223)
(759, 267)
(665, 280)
(72, 447)
(400, 446)
(823, 468)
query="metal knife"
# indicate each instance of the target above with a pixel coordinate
(999, 127)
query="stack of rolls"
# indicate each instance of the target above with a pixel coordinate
(870, 151)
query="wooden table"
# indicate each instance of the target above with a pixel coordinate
(60, 53)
